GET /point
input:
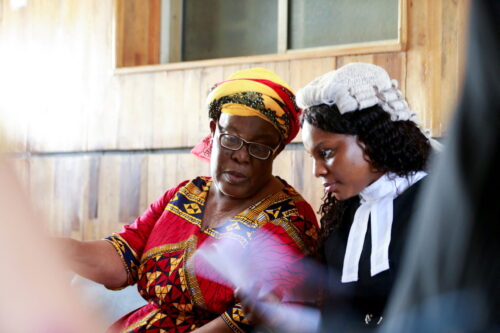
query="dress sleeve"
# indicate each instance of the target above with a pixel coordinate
(131, 240)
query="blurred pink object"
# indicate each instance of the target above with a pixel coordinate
(35, 294)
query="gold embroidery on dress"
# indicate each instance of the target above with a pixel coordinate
(143, 321)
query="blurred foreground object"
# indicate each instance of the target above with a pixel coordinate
(35, 294)
(451, 283)
(279, 297)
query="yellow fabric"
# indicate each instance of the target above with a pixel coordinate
(242, 110)
(232, 87)
(235, 109)
(239, 84)
(259, 73)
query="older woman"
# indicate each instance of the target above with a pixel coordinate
(253, 116)
(371, 156)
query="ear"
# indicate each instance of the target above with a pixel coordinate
(213, 127)
(367, 158)
(361, 144)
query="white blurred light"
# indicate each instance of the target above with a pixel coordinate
(17, 4)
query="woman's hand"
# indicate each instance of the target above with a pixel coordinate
(269, 311)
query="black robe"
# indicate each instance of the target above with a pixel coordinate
(347, 304)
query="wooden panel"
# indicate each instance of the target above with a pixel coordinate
(452, 58)
(167, 109)
(135, 120)
(295, 166)
(434, 59)
(68, 98)
(209, 76)
(282, 68)
(21, 170)
(94, 110)
(42, 180)
(70, 195)
(304, 71)
(108, 204)
(93, 187)
(192, 117)
(130, 188)
(138, 32)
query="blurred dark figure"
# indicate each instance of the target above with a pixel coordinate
(452, 282)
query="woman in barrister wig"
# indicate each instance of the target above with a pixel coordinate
(371, 156)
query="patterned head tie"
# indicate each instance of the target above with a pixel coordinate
(357, 86)
(253, 92)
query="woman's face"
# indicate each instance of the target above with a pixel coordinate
(236, 173)
(339, 160)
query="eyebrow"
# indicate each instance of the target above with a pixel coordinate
(257, 137)
(319, 145)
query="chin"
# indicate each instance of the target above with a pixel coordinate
(233, 191)
(340, 196)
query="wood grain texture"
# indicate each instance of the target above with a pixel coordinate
(434, 59)
(59, 86)
(90, 197)
(138, 32)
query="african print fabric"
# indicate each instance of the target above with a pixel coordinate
(156, 249)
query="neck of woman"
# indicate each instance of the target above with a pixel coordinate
(220, 207)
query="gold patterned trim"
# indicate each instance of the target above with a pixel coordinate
(165, 248)
(291, 231)
(130, 278)
(231, 323)
(142, 322)
(124, 241)
(193, 192)
(253, 217)
(191, 279)
(174, 209)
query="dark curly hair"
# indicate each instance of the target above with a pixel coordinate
(391, 146)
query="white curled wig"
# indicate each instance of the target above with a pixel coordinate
(357, 86)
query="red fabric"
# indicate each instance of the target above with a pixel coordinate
(182, 297)
(203, 149)
(290, 107)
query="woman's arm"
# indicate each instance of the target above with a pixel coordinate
(218, 325)
(94, 260)
(114, 263)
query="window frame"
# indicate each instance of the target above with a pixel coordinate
(175, 27)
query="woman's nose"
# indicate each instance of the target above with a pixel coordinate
(241, 155)
(319, 169)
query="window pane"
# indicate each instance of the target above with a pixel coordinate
(229, 28)
(333, 22)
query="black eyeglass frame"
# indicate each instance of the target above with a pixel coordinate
(242, 141)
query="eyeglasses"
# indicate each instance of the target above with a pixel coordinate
(257, 150)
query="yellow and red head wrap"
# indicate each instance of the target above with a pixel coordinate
(254, 92)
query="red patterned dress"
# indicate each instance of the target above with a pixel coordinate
(156, 249)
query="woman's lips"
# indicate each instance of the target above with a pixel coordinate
(234, 177)
(330, 187)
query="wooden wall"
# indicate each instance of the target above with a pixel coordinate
(94, 148)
